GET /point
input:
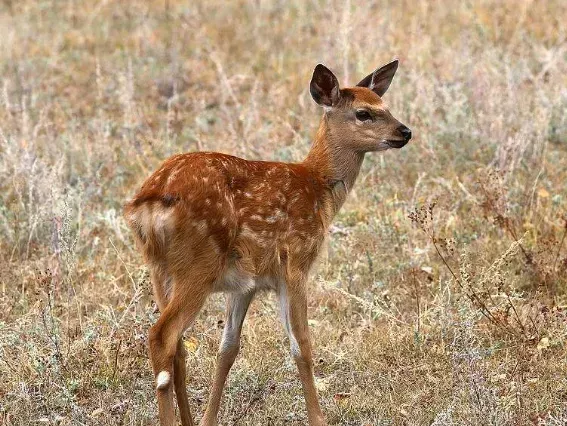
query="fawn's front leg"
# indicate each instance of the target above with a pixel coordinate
(293, 305)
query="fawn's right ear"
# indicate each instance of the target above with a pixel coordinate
(324, 87)
(380, 80)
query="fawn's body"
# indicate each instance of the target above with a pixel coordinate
(209, 222)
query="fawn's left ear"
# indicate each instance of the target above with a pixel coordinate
(380, 80)
(324, 87)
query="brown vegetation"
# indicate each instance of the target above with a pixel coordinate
(441, 295)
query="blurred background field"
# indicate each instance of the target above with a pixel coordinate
(441, 295)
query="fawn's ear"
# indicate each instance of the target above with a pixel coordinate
(324, 87)
(380, 80)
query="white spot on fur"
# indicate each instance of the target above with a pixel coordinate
(173, 175)
(202, 226)
(295, 199)
(278, 215)
(162, 380)
(246, 232)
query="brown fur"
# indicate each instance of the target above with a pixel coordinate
(209, 222)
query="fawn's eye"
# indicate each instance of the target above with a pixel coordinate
(363, 115)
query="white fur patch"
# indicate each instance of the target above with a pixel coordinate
(284, 313)
(294, 346)
(235, 281)
(163, 379)
(238, 306)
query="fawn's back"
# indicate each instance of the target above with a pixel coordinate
(241, 218)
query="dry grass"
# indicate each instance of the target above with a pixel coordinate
(452, 315)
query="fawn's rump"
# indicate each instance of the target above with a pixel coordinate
(151, 224)
(185, 204)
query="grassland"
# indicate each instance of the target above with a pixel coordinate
(441, 296)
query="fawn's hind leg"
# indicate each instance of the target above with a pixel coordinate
(166, 351)
(162, 288)
(236, 308)
(179, 376)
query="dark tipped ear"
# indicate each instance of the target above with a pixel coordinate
(380, 80)
(324, 86)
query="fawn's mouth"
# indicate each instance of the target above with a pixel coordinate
(396, 143)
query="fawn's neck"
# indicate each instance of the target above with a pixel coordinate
(335, 163)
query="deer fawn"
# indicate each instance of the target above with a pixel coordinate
(209, 222)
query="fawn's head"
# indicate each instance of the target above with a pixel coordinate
(357, 115)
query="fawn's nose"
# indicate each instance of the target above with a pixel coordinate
(405, 131)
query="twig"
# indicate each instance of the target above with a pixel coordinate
(505, 222)
(368, 305)
(471, 295)
(507, 226)
(483, 308)
(137, 291)
(516, 313)
(560, 244)
(417, 301)
(116, 360)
